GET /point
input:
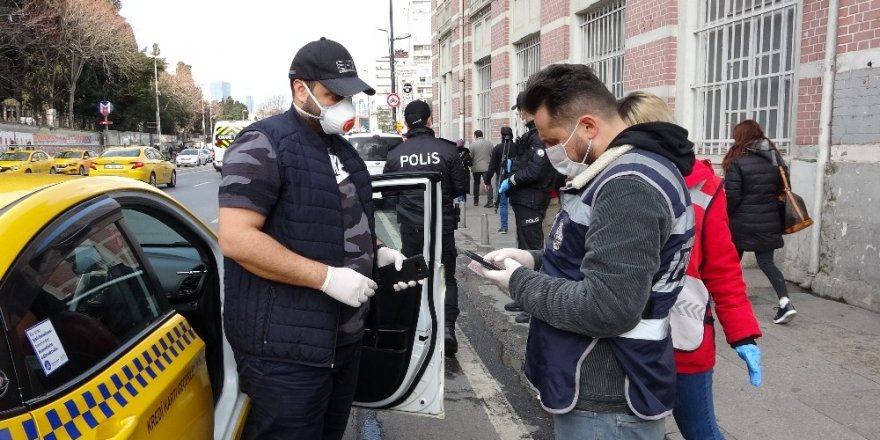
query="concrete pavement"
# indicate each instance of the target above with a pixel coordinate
(821, 372)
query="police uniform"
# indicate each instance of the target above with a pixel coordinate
(531, 180)
(423, 152)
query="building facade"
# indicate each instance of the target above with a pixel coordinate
(804, 69)
(220, 90)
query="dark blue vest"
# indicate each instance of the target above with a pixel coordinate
(278, 321)
(554, 356)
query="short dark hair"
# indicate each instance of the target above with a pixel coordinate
(506, 133)
(568, 91)
(478, 133)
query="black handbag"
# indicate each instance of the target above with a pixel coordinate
(794, 210)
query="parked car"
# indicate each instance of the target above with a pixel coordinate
(204, 155)
(373, 148)
(137, 162)
(188, 158)
(74, 161)
(111, 295)
(26, 161)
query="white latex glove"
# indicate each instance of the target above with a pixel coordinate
(385, 256)
(522, 257)
(500, 278)
(348, 286)
(403, 285)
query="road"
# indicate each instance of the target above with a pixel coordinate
(484, 398)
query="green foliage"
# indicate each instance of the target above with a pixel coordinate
(229, 109)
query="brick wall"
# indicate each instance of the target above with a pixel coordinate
(859, 25)
(555, 47)
(650, 65)
(646, 15)
(809, 100)
(553, 9)
(813, 30)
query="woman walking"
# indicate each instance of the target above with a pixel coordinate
(753, 185)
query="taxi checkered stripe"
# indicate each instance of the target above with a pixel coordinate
(98, 404)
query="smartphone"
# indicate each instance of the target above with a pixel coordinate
(476, 257)
(414, 269)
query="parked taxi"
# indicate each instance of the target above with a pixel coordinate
(136, 162)
(74, 161)
(26, 161)
(111, 294)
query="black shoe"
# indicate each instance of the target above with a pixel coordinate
(523, 318)
(502, 231)
(488, 204)
(476, 203)
(513, 307)
(784, 315)
(449, 340)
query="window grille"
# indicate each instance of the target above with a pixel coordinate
(483, 85)
(602, 39)
(746, 58)
(528, 60)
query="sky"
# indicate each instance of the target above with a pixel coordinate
(250, 44)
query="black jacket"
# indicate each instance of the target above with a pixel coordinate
(753, 185)
(663, 138)
(500, 154)
(423, 152)
(532, 175)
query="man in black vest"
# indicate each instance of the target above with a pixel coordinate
(528, 190)
(422, 151)
(296, 228)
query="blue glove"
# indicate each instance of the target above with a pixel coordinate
(752, 355)
(509, 162)
(505, 185)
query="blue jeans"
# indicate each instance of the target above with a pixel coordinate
(587, 425)
(502, 209)
(694, 408)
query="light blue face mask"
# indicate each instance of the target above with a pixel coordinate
(560, 161)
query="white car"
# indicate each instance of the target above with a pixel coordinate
(188, 158)
(373, 148)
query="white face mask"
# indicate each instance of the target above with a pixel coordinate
(335, 119)
(559, 158)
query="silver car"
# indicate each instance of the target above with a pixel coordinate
(188, 158)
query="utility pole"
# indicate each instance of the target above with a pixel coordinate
(391, 59)
(156, 77)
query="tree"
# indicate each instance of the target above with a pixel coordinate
(229, 109)
(272, 106)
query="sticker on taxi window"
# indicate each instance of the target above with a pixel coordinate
(47, 346)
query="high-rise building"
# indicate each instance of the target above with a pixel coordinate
(220, 90)
(249, 102)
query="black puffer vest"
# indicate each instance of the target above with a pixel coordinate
(753, 185)
(278, 321)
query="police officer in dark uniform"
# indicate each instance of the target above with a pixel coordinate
(528, 190)
(422, 151)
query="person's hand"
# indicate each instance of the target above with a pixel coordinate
(505, 185)
(348, 286)
(385, 256)
(522, 257)
(500, 278)
(752, 355)
(487, 187)
(403, 285)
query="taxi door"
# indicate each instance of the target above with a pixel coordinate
(402, 360)
(97, 350)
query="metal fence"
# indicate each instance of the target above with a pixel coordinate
(528, 60)
(602, 40)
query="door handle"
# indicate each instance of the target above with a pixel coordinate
(126, 428)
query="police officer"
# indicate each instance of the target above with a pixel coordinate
(528, 191)
(422, 151)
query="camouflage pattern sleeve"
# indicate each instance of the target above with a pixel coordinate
(250, 177)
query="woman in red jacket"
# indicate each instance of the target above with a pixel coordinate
(714, 272)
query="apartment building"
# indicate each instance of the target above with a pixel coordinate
(805, 69)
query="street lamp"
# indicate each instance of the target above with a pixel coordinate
(391, 40)
(155, 55)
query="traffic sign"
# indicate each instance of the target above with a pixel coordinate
(105, 122)
(393, 100)
(407, 88)
(105, 107)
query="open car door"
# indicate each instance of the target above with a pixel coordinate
(402, 360)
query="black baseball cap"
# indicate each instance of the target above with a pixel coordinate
(416, 113)
(519, 100)
(330, 63)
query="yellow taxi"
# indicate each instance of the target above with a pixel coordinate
(111, 294)
(74, 161)
(136, 162)
(26, 161)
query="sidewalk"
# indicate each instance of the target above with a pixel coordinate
(821, 372)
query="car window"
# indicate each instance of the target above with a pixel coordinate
(189, 153)
(14, 156)
(374, 148)
(122, 152)
(80, 300)
(69, 155)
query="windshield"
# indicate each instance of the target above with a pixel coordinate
(189, 153)
(69, 154)
(376, 147)
(14, 156)
(122, 152)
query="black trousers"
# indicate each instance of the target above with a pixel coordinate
(292, 401)
(529, 226)
(766, 264)
(412, 242)
(478, 183)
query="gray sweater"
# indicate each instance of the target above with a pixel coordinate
(629, 225)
